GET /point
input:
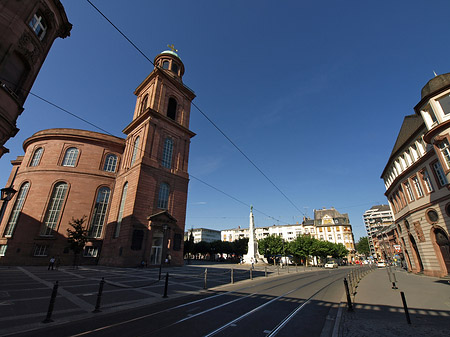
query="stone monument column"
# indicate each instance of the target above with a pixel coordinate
(252, 252)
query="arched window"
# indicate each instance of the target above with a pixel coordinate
(163, 198)
(172, 108)
(143, 104)
(110, 163)
(18, 205)
(36, 157)
(167, 153)
(121, 207)
(135, 149)
(99, 214)
(54, 209)
(70, 158)
(166, 65)
(175, 68)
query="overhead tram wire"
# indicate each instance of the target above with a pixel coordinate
(139, 148)
(198, 108)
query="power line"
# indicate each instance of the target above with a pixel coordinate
(204, 114)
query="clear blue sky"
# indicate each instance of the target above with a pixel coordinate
(314, 92)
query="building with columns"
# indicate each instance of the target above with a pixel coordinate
(27, 32)
(417, 178)
(132, 190)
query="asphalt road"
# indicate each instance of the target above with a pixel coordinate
(301, 304)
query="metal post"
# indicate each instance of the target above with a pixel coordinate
(402, 294)
(287, 266)
(349, 300)
(166, 285)
(296, 268)
(251, 274)
(206, 278)
(99, 295)
(265, 271)
(48, 319)
(278, 269)
(232, 276)
(393, 281)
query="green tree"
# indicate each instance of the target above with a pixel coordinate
(363, 246)
(272, 245)
(240, 246)
(302, 247)
(341, 251)
(77, 238)
(189, 245)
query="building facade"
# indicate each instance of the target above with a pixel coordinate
(417, 182)
(27, 32)
(328, 225)
(203, 234)
(375, 219)
(131, 191)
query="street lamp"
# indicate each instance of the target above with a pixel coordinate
(164, 227)
(7, 194)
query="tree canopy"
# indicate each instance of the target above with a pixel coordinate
(362, 246)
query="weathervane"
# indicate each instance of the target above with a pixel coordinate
(172, 48)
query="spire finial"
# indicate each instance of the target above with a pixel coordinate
(435, 75)
(172, 48)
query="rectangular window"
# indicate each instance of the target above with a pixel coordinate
(417, 186)
(40, 250)
(17, 209)
(440, 174)
(409, 191)
(90, 251)
(445, 104)
(445, 151)
(427, 181)
(54, 209)
(339, 236)
(3, 250)
(38, 25)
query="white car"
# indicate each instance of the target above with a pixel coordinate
(331, 264)
(381, 264)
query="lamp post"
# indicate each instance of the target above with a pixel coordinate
(164, 227)
(7, 194)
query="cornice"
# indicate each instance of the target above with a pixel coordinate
(439, 128)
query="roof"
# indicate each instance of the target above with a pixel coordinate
(435, 85)
(381, 208)
(321, 213)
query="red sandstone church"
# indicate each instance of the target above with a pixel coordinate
(133, 191)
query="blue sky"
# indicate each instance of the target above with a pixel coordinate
(314, 92)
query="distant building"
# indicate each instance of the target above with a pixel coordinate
(27, 32)
(203, 234)
(376, 218)
(417, 177)
(328, 225)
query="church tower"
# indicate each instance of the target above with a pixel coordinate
(147, 216)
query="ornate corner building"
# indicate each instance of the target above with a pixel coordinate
(417, 179)
(27, 32)
(132, 191)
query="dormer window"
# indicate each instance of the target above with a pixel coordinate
(444, 102)
(38, 25)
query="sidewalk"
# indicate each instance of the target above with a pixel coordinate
(378, 309)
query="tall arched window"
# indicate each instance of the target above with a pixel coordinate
(18, 205)
(36, 157)
(70, 158)
(54, 209)
(121, 207)
(165, 65)
(172, 108)
(135, 149)
(143, 104)
(99, 213)
(163, 198)
(110, 163)
(167, 153)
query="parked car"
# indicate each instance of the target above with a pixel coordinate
(381, 264)
(331, 264)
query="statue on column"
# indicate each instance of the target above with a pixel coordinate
(252, 255)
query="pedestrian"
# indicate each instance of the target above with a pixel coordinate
(57, 262)
(51, 263)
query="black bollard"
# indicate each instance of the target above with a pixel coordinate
(48, 319)
(251, 274)
(265, 271)
(166, 285)
(232, 276)
(99, 295)
(393, 282)
(402, 294)
(206, 279)
(349, 300)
